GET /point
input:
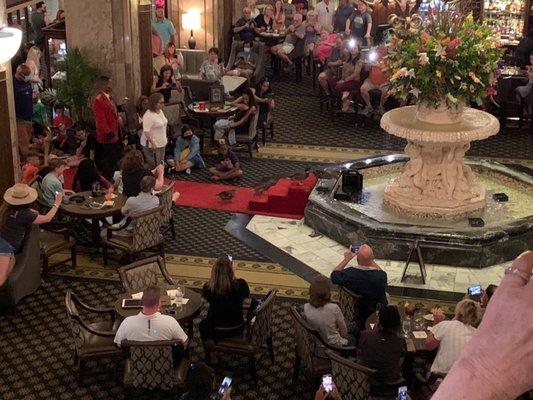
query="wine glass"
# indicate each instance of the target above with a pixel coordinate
(406, 327)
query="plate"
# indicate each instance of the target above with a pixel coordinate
(429, 317)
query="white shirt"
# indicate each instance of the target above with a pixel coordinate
(156, 125)
(149, 328)
(325, 14)
(452, 335)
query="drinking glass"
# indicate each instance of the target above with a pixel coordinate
(406, 327)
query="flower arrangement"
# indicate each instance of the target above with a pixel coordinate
(447, 61)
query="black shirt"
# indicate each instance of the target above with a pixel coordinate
(226, 310)
(131, 181)
(226, 159)
(23, 93)
(383, 353)
(260, 22)
(247, 34)
(371, 284)
(15, 225)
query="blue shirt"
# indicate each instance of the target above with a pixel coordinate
(194, 150)
(165, 28)
(23, 93)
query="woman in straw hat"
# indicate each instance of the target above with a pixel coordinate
(18, 217)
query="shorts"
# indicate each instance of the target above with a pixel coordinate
(373, 86)
(287, 48)
(6, 250)
(524, 90)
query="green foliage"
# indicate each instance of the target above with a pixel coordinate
(449, 58)
(75, 90)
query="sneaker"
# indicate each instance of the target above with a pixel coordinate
(381, 110)
(188, 171)
(365, 111)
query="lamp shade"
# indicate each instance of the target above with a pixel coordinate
(10, 39)
(191, 20)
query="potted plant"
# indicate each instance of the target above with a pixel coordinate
(75, 90)
(441, 64)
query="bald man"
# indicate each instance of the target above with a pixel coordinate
(366, 279)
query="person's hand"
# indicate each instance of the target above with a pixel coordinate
(349, 255)
(291, 28)
(175, 196)
(496, 362)
(341, 81)
(68, 192)
(227, 394)
(321, 393)
(58, 199)
(159, 170)
(438, 315)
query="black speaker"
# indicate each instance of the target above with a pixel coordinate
(352, 182)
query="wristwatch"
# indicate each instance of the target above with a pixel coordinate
(55, 205)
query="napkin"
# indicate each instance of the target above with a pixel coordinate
(172, 293)
(109, 203)
(372, 326)
(420, 334)
(137, 296)
(183, 302)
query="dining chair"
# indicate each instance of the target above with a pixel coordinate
(139, 275)
(146, 234)
(92, 340)
(250, 138)
(167, 215)
(57, 237)
(309, 346)
(150, 365)
(256, 338)
(349, 304)
(352, 379)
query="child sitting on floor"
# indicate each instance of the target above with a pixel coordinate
(228, 166)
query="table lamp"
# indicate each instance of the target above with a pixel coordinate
(191, 20)
(10, 39)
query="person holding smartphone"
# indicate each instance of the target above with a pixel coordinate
(202, 384)
(327, 390)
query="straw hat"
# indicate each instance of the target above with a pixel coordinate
(20, 194)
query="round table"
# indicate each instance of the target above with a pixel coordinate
(184, 314)
(212, 113)
(84, 211)
(273, 36)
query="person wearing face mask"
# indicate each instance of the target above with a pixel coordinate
(245, 62)
(107, 125)
(23, 93)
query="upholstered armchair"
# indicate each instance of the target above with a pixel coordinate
(309, 346)
(352, 379)
(250, 139)
(150, 365)
(349, 304)
(146, 234)
(256, 338)
(92, 340)
(165, 199)
(56, 237)
(259, 48)
(137, 276)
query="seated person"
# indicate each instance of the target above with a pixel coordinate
(245, 62)
(265, 21)
(350, 76)
(240, 125)
(17, 218)
(149, 324)
(254, 11)
(228, 166)
(312, 30)
(30, 168)
(328, 77)
(225, 294)
(202, 384)
(324, 45)
(245, 26)
(265, 102)
(61, 121)
(80, 148)
(383, 349)
(52, 183)
(366, 279)
(187, 152)
(487, 295)
(7, 260)
(524, 93)
(377, 80)
(170, 57)
(212, 68)
(87, 176)
(132, 170)
(451, 336)
(326, 316)
(165, 83)
(296, 32)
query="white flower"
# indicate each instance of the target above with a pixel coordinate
(440, 51)
(423, 58)
(451, 98)
(415, 92)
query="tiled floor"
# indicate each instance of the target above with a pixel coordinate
(322, 255)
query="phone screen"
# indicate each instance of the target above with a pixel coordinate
(402, 393)
(327, 383)
(226, 383)
(354, 248)
(474, 290)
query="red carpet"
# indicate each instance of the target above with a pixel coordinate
(287, 198)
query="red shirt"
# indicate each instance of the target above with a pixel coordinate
(63, 119)
(106, 119)
(28, 173)
(377, 77)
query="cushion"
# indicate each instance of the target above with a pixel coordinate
(52, 243)
(94, 345)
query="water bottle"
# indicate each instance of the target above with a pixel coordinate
(179, 296)
(194, 101)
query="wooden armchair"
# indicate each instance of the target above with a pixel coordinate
(146, 234)
(349, 305)
(308, 342)
(165, 199)
(137, 276)
(256, 338)
(91, 340)
(250, 139)
(56, 237)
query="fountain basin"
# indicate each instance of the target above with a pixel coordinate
(507, 230)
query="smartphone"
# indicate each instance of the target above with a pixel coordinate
(475, 291)
(230, 258)
(402, 393)
(327, 383)
(354, 248)
(226, 383)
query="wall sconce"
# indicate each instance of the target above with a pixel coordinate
(10, 39)
(191, 20)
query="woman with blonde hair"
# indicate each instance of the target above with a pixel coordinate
(225, 294)
(33, 61)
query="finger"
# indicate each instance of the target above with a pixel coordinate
(521, 269)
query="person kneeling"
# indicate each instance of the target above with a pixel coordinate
(187, 152)
(228, 166)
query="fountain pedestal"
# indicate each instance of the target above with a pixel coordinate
(435, 182)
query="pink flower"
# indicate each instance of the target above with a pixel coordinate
(425, 36)
(491, 91)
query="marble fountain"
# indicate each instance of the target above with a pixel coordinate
(430, 195)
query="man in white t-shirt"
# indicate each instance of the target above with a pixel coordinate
(150, 325)
(325, 11)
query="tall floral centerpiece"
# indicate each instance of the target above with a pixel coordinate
(441, 64)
